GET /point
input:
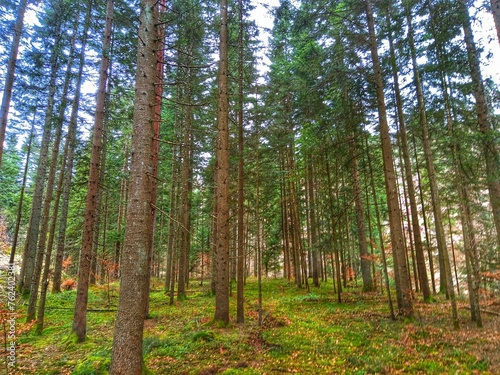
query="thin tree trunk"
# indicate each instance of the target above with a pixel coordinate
(360, 215)
(415, 222)
(424, 218)
(49, 190)
(313, 224)
(23, 189)
(11, 69)
(337, 278)
(444, 258)
(121, 215)
(67, 168)
(469, 238)
(240, 307)
(490, 147)
(403, 290)
(30, 251)
(96, 257)
(63, 182)
(126, 355)
(380, 233)
(80, 316)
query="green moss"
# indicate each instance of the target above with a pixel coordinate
(96, 364)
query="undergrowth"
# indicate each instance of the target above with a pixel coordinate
(302, 332)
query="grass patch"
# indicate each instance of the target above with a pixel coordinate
(302, 332)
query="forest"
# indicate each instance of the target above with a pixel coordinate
(250, 187)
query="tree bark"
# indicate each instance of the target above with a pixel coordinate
(360, 215)
(222, 225)
(135, 267)
(417, 236)
(22, 193)
(30, 251)
(80, 316)
(49, 190)
(240, 299)
(403, 290)
(67, 168)
(490, 143)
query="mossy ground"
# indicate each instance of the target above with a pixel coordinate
(302, 333)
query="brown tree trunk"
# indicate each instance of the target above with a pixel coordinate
(63, 181)
(360, 215)
(171, 223)
(415, 222)
(240, 299)
(222, 197)
(490, 147)
(469, 238)
(97, 258)
(337, 277)
(135, 266)
(444, 258)
(67, 169)
(30, 251)
(122, 206)
(80, 316)
(22, 193)
(11, 68)
(313, 224)
(156, 137)
(379, 229)
(49, 190)
(403, 290)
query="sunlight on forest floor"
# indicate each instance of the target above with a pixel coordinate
(302, 333)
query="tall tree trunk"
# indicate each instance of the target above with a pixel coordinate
(360, 215)
(240, 307)
(160, 59)
(490, 146)
(126, 355)
(11, 69)
(22, 193)
(313, 224)
(429, 162)
(444, 258)
(171, 223)
(334, 221)
(96, 258)
(379, 229)
(469, 238)
(80, 315)
(49, 190)
(30, 251)
(64, 180)
(417, 236)
(222, 198)
(423, 210)
(186, 185)
(67, 171)
(403, 290)
(122, 206)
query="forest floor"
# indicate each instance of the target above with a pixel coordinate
(302, 333)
